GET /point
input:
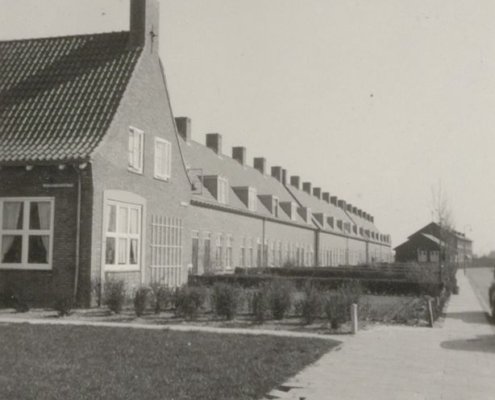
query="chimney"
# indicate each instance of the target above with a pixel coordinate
(326, 196)
(342, 204)
(307, 187)
(349, 207)
(334, 200)
(284, 176)
(295, 181)
(277, 173)
(259, 163)
(372, 219)
(317, 192)
(144, 25)
(354, 210)
(214, 142)
(239, 154)
(184, 127)
(359, 212)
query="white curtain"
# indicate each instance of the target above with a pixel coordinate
(12, 215)
(44, 214)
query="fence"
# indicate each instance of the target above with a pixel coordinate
(166, 251)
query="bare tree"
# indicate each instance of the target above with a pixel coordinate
(443, 216)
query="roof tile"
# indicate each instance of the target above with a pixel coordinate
(58, 95)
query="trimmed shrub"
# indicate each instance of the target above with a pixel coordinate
(114, 295)
(311, 305)
(141, 300)
(64, 306)
(280, 297)
(261, 304)
(225, 299)
(188, 301)
(335, 309)
(163, 297)
(338, 304)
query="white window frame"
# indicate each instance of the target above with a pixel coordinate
(116, 267)
(135, 150)
(25, 232)
(229, 251)
(252, 199)
(166, 157)
(223, 190)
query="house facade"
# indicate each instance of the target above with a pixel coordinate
(432, 243)
(251, 216)
(99, 181)
(92, 184)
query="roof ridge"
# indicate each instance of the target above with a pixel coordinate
(63, 36)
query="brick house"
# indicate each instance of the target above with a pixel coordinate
(96, 177)
(431, 242)
(248, 216)
(92, 184)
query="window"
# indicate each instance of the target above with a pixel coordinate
(136, 146)
(258, 253)
(228, 252)
(223, 190)
(163, 159)
(26, 233)
(293, 211)
(122, 236)
(250, 261)
(252, 199)
(195, 252)
(275, 207)
(219, 252)
(207, 252)
(166, 241)
(243, 253)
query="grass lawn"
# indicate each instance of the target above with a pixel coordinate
(64, 362)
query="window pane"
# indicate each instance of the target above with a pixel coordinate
(123, 220)
(134, 223)
(39, 215)
(133, 252)
(122, 257)
(110, 251)
(38, 249)
(112, 220)
(11, 249)
(13, 212)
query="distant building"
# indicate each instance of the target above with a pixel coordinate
(432, 242)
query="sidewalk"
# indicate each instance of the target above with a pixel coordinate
(455, 360)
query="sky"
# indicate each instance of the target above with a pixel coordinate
(376, 102)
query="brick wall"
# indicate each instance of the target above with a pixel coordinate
(145, 106)
(43, 287)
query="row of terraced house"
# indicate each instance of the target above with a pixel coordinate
(99, 181)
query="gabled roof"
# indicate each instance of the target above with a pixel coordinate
(432, 238)
(58, 95)
(200, 159)
(319, 206)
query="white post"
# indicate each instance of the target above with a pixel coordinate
(354, 318)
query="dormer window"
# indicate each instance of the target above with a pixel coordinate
(275, 207)
(136, 146)
(223, 190)
(252, 199)
(330, 221)
(340, 224)
(218, 186)
(293, 212)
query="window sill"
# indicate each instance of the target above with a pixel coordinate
(159, 178)
(135, 171)
(122, 268)
(26, 267)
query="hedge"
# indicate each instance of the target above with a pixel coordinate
(371, 286)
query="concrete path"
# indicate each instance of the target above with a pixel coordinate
(455, 360)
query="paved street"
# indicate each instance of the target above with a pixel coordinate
(453, 360)
(481, 278)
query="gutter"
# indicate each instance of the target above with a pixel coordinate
(78, 232)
